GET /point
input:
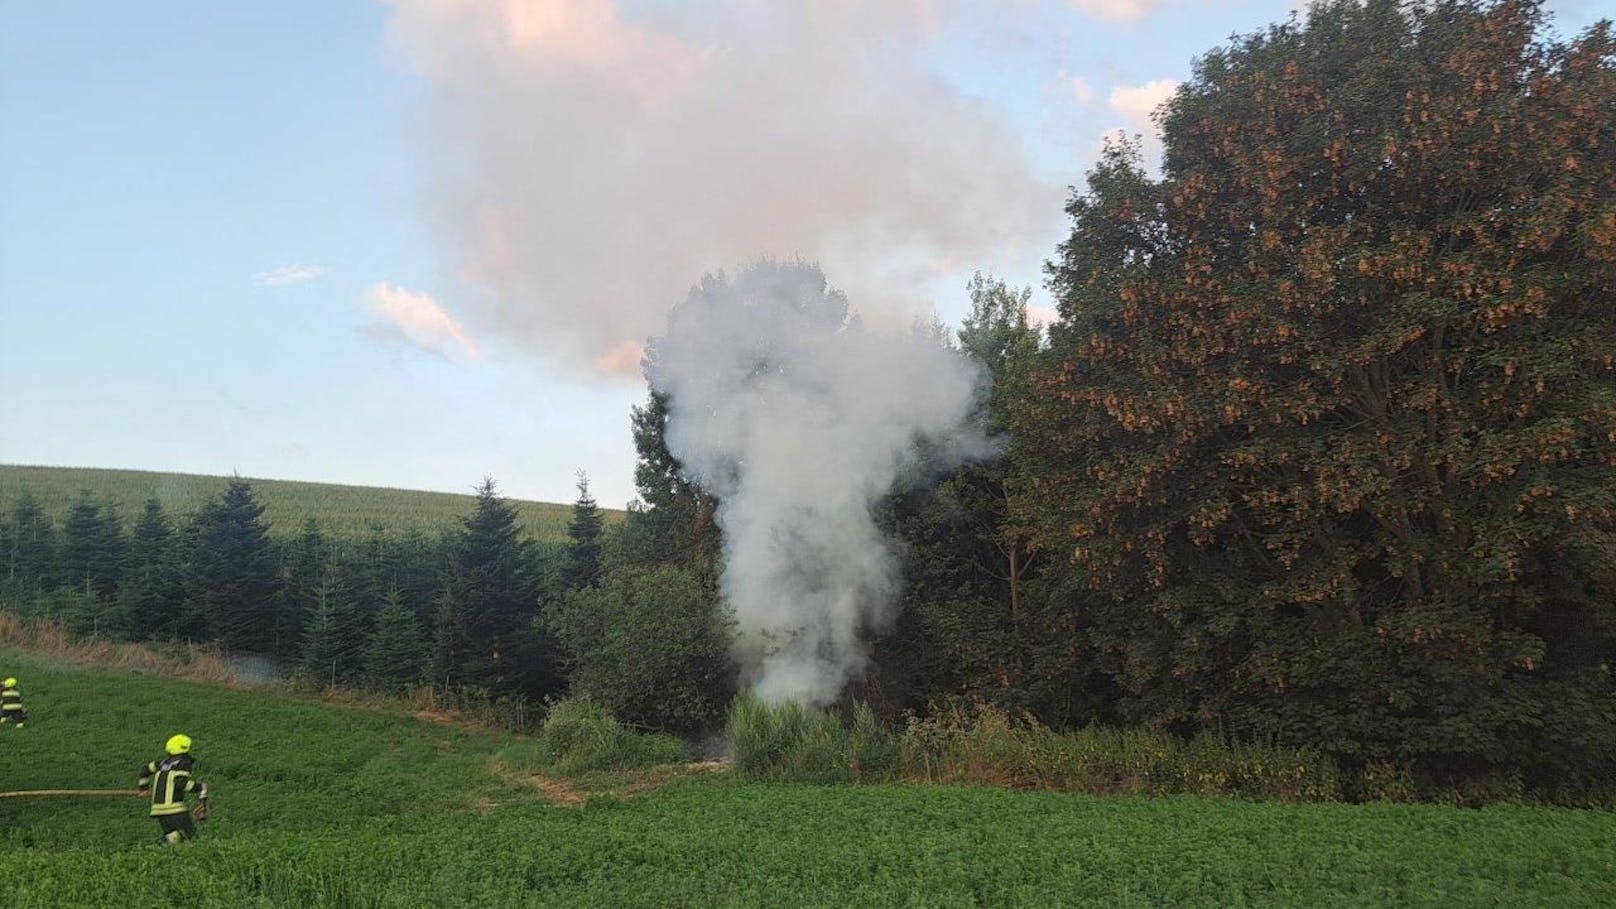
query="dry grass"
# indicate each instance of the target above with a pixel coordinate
(197, 662)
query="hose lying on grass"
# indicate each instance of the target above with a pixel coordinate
(25, 793)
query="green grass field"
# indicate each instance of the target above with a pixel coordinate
(322, 806)
(343, 511)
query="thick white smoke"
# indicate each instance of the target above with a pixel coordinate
(799, 420)
(583, 159)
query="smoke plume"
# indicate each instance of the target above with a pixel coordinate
(799, 420)
(586, 158)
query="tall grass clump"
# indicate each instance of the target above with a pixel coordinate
(788, 742)
(983, 744)
(580, 735)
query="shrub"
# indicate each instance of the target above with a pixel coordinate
(580, 735)
(787, 742)
(650, 643)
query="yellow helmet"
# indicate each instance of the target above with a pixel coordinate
(10, 683)
(178, 744)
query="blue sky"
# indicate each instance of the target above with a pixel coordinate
(227, 237)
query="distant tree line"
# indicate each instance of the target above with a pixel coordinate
(1320, 450)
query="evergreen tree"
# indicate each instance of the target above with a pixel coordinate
(111, 552)
(93, 548)
(497, 603)
(31, 556)
(583, 556)
(673, 522)
(420, 570)
(231, 584)
(153, 586)
(394, 652)
(448, 645)
(304, 571)
(333, 642)
(967, 567)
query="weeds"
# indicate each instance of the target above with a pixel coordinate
(982, 744)
(791, 743)
(581, 736)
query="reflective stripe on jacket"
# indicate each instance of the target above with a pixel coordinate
(169, 780)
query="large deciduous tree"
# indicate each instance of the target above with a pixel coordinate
(1332, 413)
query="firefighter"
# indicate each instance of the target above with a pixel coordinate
(169, 781)
(11, 712)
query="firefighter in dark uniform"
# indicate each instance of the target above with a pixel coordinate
(169, 781)
(11, 712)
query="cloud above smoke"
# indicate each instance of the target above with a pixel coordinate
(587, 160)
(417, 320)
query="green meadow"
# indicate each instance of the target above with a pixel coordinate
(343, 511)
(324, 806)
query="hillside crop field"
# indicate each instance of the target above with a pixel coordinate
(322, 806)
(343, 511)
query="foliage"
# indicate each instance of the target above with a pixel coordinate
(652, 644)
(673, 520)
(583, 532)
(580, 735)
(333, 640)
(395, 654)
(496, 601)
(981, 744)
(93, 548)
(968, 570)
(1328, 426)
(788, 742)
(231, 585)
(153, 585)
(31, 558)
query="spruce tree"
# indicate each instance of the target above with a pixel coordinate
(304, 569)
(82, 539)
(497, 599)
(32, 557)
(394, 651)
(153, 587)
(332, 643)
(583, 555)
(231, 584)
(446, 662)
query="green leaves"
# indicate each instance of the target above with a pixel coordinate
(1328, 415)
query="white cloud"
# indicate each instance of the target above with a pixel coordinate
(1136, 104)
(585, 162)
(288, 274)
(1116, 10)
(418, 320)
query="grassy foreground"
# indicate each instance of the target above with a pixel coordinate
(322, 806)
(343, 511)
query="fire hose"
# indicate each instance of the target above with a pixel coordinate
(29, 793)
(200, 812)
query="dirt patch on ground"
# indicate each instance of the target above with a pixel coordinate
(568, 793)
(558, 791)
